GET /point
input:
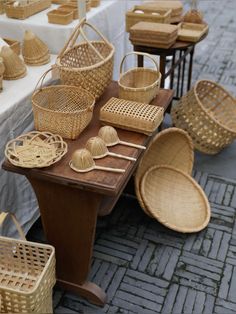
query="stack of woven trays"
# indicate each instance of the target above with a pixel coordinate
(175, 6)
(153, 34)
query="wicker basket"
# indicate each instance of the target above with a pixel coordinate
(95, 3)
(173, 198)
(139, 84)
(88, 64)
(60, 17)
(208, 113)
(23, 11)
(62, 109)
(70, 8)
(149, 15)
(132, 116)
(171, 147)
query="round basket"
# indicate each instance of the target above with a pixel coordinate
(139, 84)
(171, 147)
(175, 199)
(88, 64)
(62, 109)
(208, 113)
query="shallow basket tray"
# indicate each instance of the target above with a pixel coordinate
(60, 16)
(208, 113)
(24, 11)
(27, 276)
(132, 116)
(191, 32)
(175, 199)
(171, 147)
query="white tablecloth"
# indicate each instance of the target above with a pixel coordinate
(16, 194)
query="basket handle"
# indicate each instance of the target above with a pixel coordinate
(138, 54)
(3, 216)
(42, 77)
(79, 30)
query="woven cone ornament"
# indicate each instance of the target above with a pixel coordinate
(14, 66)
(193, 15)
(34, 50)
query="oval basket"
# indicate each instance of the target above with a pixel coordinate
(208, 113)
(62, 109)
(88, 64)
(171, 147)
(139, 84)
(175, 199)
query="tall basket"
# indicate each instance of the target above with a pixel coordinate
(88, 64)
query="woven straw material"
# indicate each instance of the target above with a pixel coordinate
(95, 3)
(139, 84)
(172, 147)
(2, 68)
(208, 113)
(175, 6)
(175, 199)
(132, 116)
(23, 11)
(191, 32)
(35, 149)
(154, 29)
(2, 6)
(60, 17)
(70, 8)
(14, 66)
(88, 64)
(65, 110)
(193, 16)
(27, 276)
(14, 45)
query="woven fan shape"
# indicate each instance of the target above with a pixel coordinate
(173, 198)
(14, 66)
(171, 147)
(34, 50)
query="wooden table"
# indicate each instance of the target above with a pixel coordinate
(70, 202)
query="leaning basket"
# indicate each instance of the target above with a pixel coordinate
(208, 113)
(139, 84)
(88, 64)
(62, 109)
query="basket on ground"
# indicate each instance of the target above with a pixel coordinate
(62, 109)
(139, 84)
(88, 64)
(208, 113)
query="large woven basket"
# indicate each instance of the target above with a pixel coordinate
(175, 199)
(139, 84)
(208, 113)
(171, 147)
(88, 64)
(62, 109)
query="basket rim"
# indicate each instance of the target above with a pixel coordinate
(198, 188)
(94, 66)
(49, 261)
(91, 106)
(141, 69)
(205, 111)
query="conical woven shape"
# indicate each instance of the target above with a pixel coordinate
(97, 147)
(2, 67)
(34, 50)
(14, 66)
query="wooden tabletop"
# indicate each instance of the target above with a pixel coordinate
(102, 182)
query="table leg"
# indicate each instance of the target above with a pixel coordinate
(69, 218)
(140, 61)
(162, 70)
(190, 69)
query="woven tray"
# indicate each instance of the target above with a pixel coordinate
(35, 149)
(175, 6)
(70, 8)
(191, 32)
(63, 17)
(130, 115)
(149, 15)
(24, 11)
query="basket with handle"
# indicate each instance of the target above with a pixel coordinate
(139, 84)
(62, 109)
(27, 274)
(88, 64)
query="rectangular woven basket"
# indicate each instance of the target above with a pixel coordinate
(60, 17)
(131, 115)
(23, 11)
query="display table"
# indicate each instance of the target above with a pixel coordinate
(16, 118)
(70, 202)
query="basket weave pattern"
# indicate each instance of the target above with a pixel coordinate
(27, 276)
(208, 113)
(22, 12)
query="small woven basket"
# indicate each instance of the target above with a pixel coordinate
(175, 199)
(208, 113)
(88, 64)
(63, 17)
(23, 11)
(139, 84)
(62, 109)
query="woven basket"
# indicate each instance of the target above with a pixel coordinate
(139, 84)
(88, 64)
(175, 199)
(60, 17)
(171, 147)
(208, 113)
(70, 8)
(23, 11)
(62, 109)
